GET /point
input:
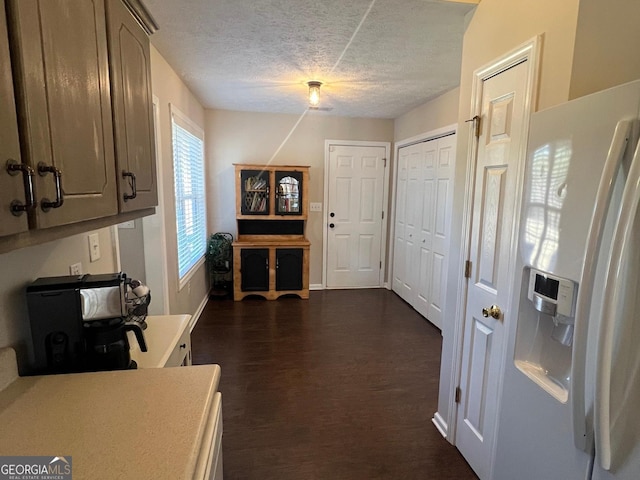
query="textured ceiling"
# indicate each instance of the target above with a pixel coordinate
(376, 58)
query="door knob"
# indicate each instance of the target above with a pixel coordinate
(493, 311)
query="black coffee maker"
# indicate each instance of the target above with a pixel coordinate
(78, 324)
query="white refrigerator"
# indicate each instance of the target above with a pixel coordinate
(569, 406)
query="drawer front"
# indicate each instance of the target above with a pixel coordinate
(181, 354)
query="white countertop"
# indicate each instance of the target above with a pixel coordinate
(146, 423)
(161, 335)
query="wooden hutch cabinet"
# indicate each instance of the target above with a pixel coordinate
(271, 254)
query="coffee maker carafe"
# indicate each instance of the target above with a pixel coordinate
(78, 324)
(108, 345)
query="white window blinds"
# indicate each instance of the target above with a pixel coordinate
(191, 218)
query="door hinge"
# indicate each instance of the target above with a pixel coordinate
(380, 264)
(383, 214)
(458, 394)
(467, 269)
(476, 125)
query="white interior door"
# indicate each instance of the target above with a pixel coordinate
(354, 215)
(499, 155)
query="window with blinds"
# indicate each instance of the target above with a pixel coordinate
(191, 218)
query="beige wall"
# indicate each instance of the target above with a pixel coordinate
(170, 90)
(243, 137)
(19, 268)
(498, 27)
(606, 39)
(131, 242)
(440, 112)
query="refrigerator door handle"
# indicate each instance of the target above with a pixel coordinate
(612, 292)
(582, 437)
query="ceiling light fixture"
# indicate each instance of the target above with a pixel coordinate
(314, 93)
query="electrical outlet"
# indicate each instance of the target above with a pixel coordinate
(75, 269)
(94, 247)
(129, 224)
(315, 206)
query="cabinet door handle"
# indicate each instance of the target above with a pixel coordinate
(183, 345)
(132, 184)
(14, 168)
(45, 203)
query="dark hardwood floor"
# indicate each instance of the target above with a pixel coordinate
(340, 386)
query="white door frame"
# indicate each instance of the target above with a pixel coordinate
(385, 201)
(420, 138)
(529, 51)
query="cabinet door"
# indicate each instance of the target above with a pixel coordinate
(181, 354)
(289, 193)
(254, 194)
(289, 268)
(11, 184)
(130, 68)
(64, 106)
(254, 267)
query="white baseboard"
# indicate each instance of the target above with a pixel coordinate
(196, 315)
(440, 424)
(319, 286)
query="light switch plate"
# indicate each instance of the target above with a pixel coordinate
(315, 206)
(94, 247)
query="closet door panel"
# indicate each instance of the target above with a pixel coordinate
(441, 240)
(398, 274)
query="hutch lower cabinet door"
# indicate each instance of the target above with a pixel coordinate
(254, 265)
(289, 268)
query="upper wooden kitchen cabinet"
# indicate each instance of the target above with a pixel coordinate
(14, 176)
(76, 126)
(61, 76)
(129, 59)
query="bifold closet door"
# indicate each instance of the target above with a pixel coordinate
(423, 217)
